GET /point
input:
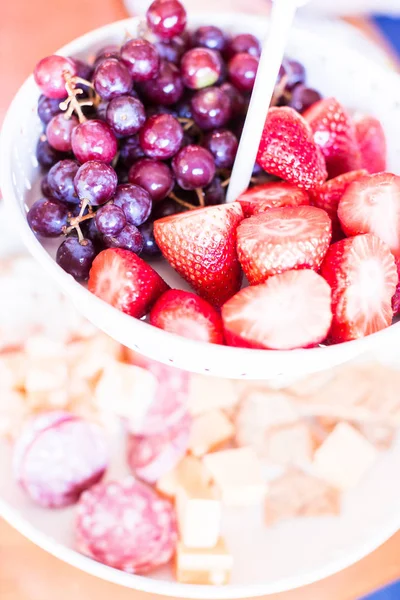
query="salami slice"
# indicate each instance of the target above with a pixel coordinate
(151, 457)
(126, 525)
(57, 457)
(170, 404)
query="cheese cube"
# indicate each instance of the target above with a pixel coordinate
(12, 370)
(211, 566)
(344, 457)
(290, 445)
(237, 474)
(210, 430)
(39, 346)
(45, 375)
(298, 494)
(126, 391)
(189, 471)
(199, 512)
(209, 393)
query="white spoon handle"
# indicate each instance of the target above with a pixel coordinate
(281, 19)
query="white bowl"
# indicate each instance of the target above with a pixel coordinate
(334, 70)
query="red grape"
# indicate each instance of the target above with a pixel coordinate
(61, 181)
(48, 108)
(126, 115)
(244, 42)
(223, 145)
(210, 37)
(47, 217)
(194, 167)
(200, 67)
(303, 97)
(135, 201)
(171, 50)
(110, 51)
(154, 176)
(141, 59)
(94, 140)
(238, 103)
(214, 193)
(111, 79)
(150, 247)
(161, 137)
(110, 219)
(76, 257)
(295, 73)
(128, 238)
(166, 18)
(59, 131)
(211, 108)
(167, 88)
(47, 155)
(50, 74)
(95, 182)
(242, 71)
(130, 151)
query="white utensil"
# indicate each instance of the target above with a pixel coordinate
(281, 21)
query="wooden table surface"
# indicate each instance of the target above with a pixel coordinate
(29, 30)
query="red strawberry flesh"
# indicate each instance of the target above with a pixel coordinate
(188, 315)
(122, 279)
(282, 239)
(362, 274)
(291, 310)
(287, 149)
(334, 132)
(201, 246)
(260, 198)
(372, 205)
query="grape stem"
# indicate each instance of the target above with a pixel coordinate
(226, 182)
(74, 222)
(181, 202)
(72, 103)
(279, 90)
(200, 195)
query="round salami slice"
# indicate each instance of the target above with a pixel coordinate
(126, 525)
(55, 463)
(170, 404)
(150, 457)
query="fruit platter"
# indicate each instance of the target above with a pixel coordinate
(125, 457)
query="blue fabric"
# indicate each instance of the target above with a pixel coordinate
(392, 592)
(390, 28)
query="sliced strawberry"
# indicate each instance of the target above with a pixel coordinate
(122, 279)
(260, 198)
(188, 315)
(330, 193)
(335, 134)
(287, 149)
(362, 274)
(282, 239)
(372, 205)
(201, 246)
(396, 296)
(291, 310)
(372, 143)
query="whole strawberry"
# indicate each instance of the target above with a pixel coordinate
(288, 150)
(201, 246)
(335, 134)
(363, 276)
(282, 239)
(372, 143)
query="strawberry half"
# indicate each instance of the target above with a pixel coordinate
(334, 132)
(282, 239)
(287, 149)
(201, 246)
(372, 205)
(329, 195)
(372, 143)
(291, 310)
(188, 315)
(260, 198)
(363, 276)
(122, 279)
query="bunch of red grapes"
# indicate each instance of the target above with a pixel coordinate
(143, 131)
